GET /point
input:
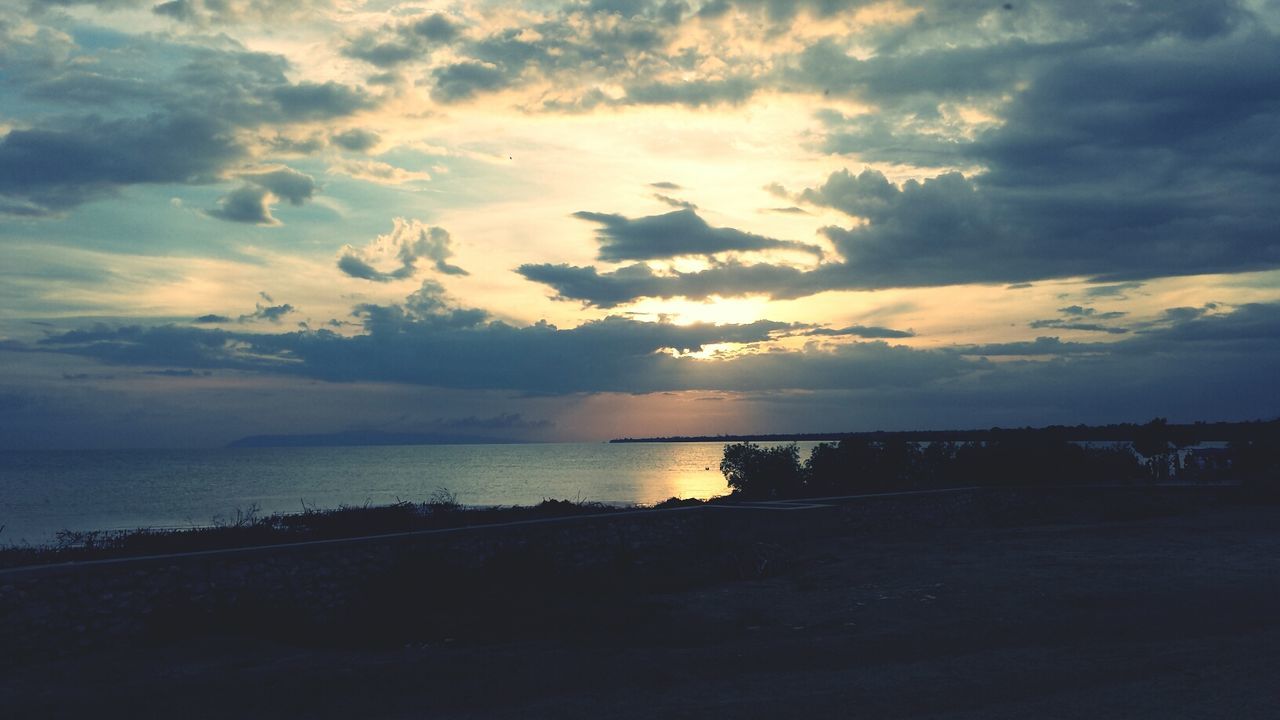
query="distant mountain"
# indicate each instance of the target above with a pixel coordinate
(364, 437)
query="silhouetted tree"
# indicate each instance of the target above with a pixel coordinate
(857, 464)
(1254, 461)
(758, 472)
(1159, 443)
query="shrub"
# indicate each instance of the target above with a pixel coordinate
(857, 464)
(759, 472)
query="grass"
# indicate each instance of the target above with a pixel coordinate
(248, 527)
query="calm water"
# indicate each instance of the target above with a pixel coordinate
(43, 492)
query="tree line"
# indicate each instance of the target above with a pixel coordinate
(1152, 453)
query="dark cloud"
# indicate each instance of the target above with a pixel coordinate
(1133, 177)
(246, 204)
(1080, 311)
(221, 12)
(1219, 365)
(1104, 166)
(1043, 345)
(284, 183)
(862, 331)
(353, 266)
(691, 93)
(501, 421)
(188, 373)
(424, 342)
(937, 232)
(574, 48)
(408, 242)
(187, 124)
(427, 341)
(435, 27)
(211, 318)
(936, 74)
(464, 80)
(397, 44)
(1074, 317)
(674, 234)
(318, 101)
(664, 185)
(1117, 290)
(356, 139)
(270, 313)
(631, 282)
(674, 202)
(252, 201)
(1083, 326)
(55, 168)
(888, 138)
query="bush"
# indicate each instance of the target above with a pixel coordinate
(857, 464)
(759, 472)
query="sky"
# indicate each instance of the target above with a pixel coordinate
(574, 220)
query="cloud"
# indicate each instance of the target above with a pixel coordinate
(1074, 316)
(284, 183)
(270, 313)
(675, 234)
(501, 421)
(1129, 178)
(408, 242)
(1118, 181)
(630, 282)
(396, 44)
(232, 12)
(252, 201)
(691, 93)
(464, 80)
(52, 169)
(862, 331)
(674, 202)
(188, 373)
(356, 139)
(427, 340)
(1117, 290)
(1043, 345)
(1218, 365)
(246, 204)
(318, 101)
(1080, 311)
(156, 112)
(378, 172)
(1086, 327)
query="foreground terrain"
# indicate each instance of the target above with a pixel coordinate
(1160, 617)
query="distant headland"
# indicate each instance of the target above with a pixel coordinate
(364, 437)
(1191, 432)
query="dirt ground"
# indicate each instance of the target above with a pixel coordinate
(1174, 617)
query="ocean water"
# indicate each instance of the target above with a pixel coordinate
(44, 492)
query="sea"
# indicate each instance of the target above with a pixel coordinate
(44, 492)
